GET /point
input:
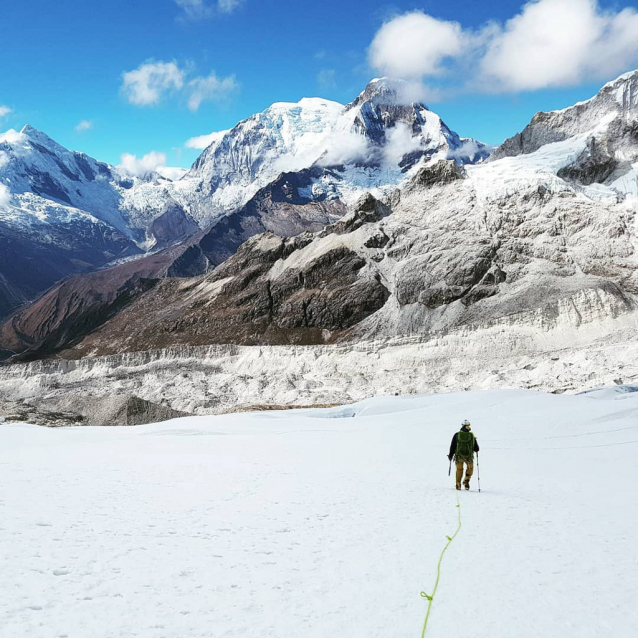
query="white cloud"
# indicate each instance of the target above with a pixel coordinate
(13, 137)
(560, 43)
(344, 147)
(550, 43)
(146, 85)
(400, 142)
(83, 125)
(199, 9)
(4, 110)
(415, 45)
(194, 9)
(4, 159)
(5, 196)
(469, 148)
(210, 88)
(144, 165)
(326, 78)
(204, 141)
(228, 6)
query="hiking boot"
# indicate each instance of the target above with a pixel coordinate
(467, 487)
(458, 486)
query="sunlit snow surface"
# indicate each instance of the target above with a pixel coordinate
(326, 522)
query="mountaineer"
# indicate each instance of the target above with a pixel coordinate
(462, 449)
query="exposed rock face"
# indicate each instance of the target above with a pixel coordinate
(616, 102)
(71, 309)
(437, 174)
(35, 258)
(593, 165)
(270, 291)
(26, 412)
(278, 208)
(79, 409)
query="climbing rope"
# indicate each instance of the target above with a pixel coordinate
(438, 570)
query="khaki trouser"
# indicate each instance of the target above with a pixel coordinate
(468, 472)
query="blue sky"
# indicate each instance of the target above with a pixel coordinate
(63, 63)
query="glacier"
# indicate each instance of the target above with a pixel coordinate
(326, 522)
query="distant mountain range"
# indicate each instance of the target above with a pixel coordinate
(69, 213)
(316, 223)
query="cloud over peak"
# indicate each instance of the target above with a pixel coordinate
(414, 45)
(140, 167)
(204, 141)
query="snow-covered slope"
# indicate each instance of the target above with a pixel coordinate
(41, 174)
(326, 522)
(240, 161)
(593, 143)
(63, 213)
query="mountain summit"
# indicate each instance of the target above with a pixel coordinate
(376, 131)
(613, 108)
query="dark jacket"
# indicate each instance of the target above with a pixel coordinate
(453, 445)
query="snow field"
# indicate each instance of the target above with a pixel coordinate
(326, 522)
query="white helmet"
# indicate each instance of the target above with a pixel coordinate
(465, 423)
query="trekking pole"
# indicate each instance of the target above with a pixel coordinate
(478, 470)
(450, 468)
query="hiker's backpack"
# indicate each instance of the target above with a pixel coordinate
(465, 445)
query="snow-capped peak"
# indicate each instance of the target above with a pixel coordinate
(39, 140)
(34, 134)
(378, 130)
(286, 136)
(623, 87)
(614, 109)
(384, 91)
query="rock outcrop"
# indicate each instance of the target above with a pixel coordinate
(74, 409)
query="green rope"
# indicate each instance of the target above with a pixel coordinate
(438, 570)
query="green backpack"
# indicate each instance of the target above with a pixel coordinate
(465, 445)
